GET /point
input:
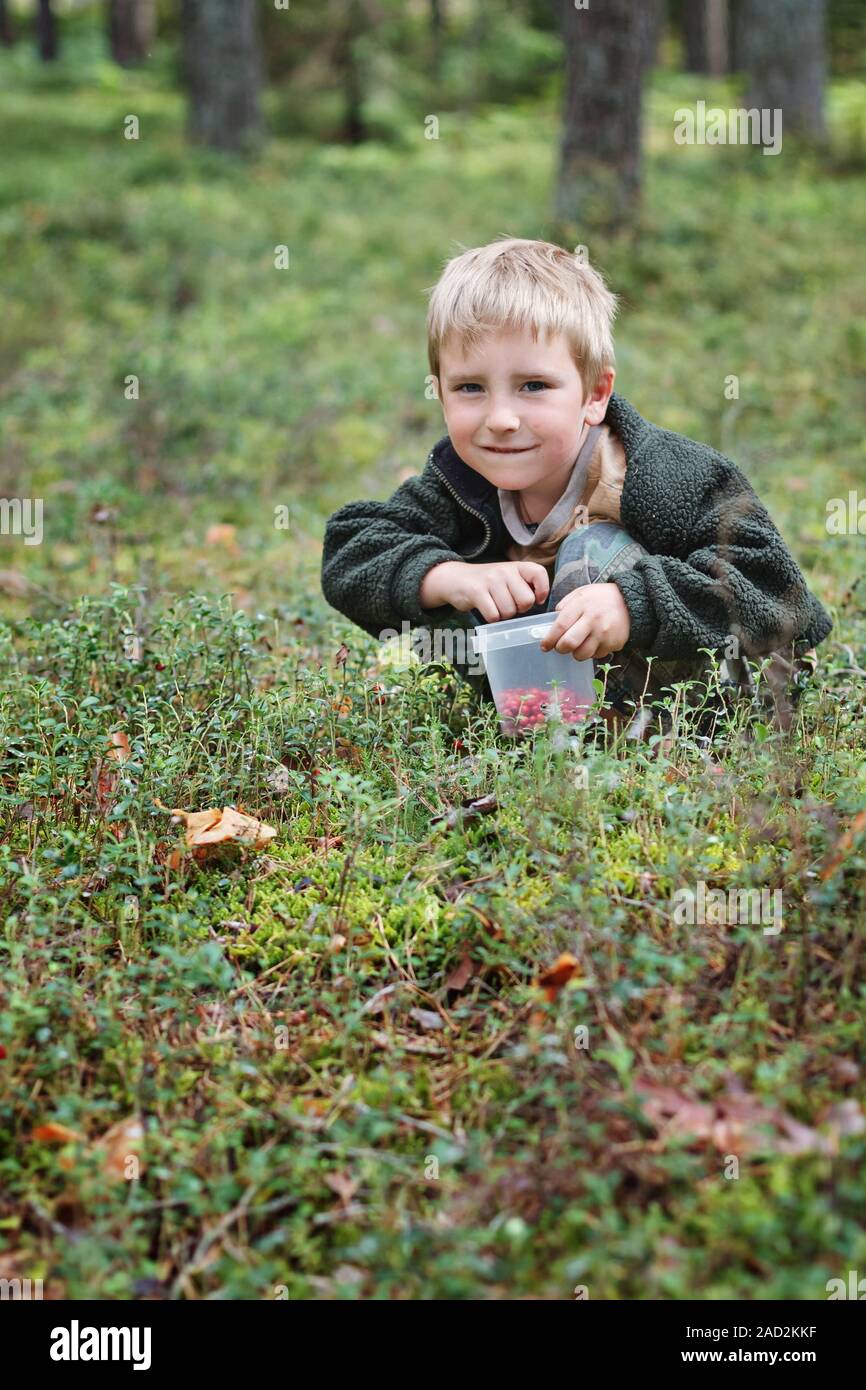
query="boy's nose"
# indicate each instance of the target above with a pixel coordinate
(503, 418)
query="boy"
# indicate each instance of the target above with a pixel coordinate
(550, 492)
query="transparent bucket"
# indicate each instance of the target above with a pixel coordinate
(531, 686)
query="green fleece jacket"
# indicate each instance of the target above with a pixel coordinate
(716, 565)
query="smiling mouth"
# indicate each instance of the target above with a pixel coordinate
(494, 449)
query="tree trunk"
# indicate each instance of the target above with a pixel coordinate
(654, 24)
(223, 72)
(718, 37)
(600, 155)
(47, 39)
(437, 32)
(351, 80)
(786, 58)
(7, 33)
(131, 28)
(705, 35)
(737, 38)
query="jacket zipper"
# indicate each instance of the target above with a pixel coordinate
(466, 507)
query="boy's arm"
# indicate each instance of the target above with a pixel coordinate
(718, 565)
(375, 554)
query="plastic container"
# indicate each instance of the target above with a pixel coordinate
(531, 686)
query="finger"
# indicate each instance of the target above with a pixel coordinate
(522, 593)
(574, 636)
(487, 608)
(552, 635)
(576, 597)
(588, 649)
(540, 581)
(561, 624)
(603, 649)
(502, 598)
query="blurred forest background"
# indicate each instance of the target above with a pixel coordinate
(165, 367)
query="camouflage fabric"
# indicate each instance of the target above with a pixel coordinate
(597, 554)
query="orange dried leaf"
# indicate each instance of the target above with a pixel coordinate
(119, 746)
(349, 751)
(343, 1184)
(54, 1133)
(15, 584)
(735, 1123)
(224, 534)
(559, 974)
(462, 973)
(228, 826)
(845, 845)
(118, 1145)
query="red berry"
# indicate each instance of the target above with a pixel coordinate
(524, 707)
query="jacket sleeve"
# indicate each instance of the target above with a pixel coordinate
(718, 565)
(375, 555)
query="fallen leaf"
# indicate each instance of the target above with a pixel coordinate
(462, 973)
(350, 752)
(469, 809)
(844, 1071)
(844, 845)
(278, 780)
(14, 583)
(735, 1122)
(119, 748)
(673, 1113)
(376, 1004)
(107, 777)
(427, 1019)
(224, 534)
(118, 1144)
(205, 829)
(343, 1184)
(845, 1117)
(558, 975)
(54, 1133)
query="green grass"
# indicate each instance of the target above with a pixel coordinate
(132, 982)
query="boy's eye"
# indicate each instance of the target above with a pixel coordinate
(472, 386)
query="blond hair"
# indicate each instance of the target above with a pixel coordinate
(514, 283)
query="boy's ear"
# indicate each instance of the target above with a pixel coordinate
(598, 402)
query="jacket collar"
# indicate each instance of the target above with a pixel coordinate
(475, 489)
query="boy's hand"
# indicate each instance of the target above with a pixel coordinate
(498, 591)
(593, 622)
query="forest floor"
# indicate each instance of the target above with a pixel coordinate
(330, 1067)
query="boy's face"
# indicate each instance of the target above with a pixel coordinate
(515, 408)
